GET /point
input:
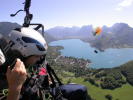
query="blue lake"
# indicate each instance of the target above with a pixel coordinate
(107, 59)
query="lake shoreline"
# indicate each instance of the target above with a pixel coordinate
(100, 77)
(108, 59)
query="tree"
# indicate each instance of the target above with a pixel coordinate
(109, 97)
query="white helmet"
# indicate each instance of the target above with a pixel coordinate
(28, 42)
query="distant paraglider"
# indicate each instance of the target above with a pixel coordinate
(97, 31)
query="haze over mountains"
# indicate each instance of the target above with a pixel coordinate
(6, 27)
(60, 33)
(120, 35)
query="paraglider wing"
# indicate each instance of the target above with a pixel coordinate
(97, 31)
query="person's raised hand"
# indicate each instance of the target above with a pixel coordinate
(17, 76)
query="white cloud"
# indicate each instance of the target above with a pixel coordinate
(123, 4)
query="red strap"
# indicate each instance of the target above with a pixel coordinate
(43, 71)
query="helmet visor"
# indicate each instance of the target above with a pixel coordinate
(39, 46)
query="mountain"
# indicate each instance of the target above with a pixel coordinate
(49, 38)
(70, 33)
(6, 27)
(117, 36)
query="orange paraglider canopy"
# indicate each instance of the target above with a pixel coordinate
(97, 31)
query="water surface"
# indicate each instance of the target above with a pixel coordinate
(107, 59)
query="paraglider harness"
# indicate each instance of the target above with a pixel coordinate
(41, 84)
(38, 86)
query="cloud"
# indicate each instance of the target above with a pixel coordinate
(123, 4)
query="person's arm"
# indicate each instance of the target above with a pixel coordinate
(16, 77)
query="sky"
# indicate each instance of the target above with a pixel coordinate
(68, 13)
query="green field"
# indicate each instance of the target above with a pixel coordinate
(123, 93)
